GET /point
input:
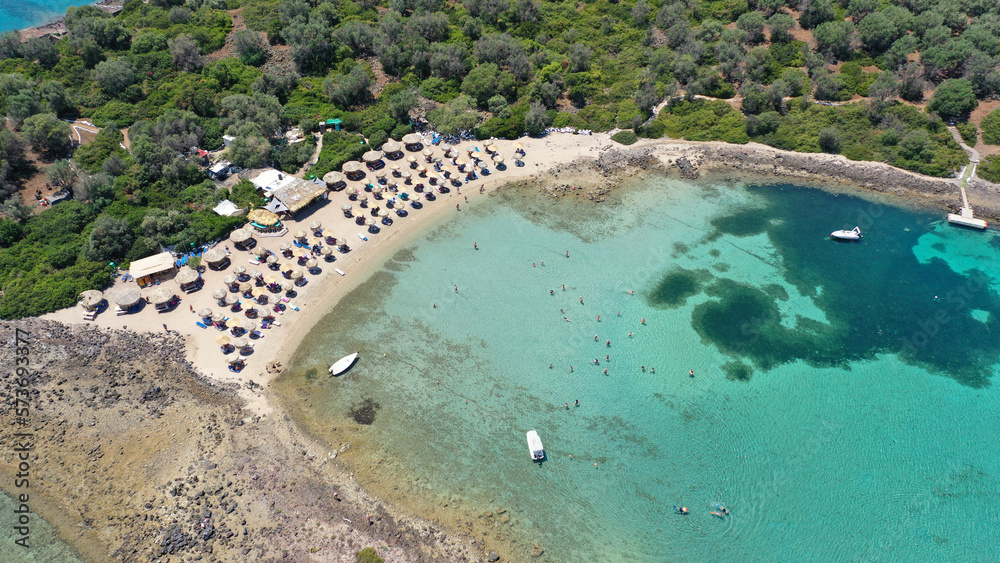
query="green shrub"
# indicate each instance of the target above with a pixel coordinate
(701, 120)
(338, 148)
(968, 132)
(989, 169)
(991, 128)
(368, 555)
(626, 137)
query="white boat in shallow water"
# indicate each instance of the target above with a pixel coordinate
(535, 446)
(341, 365)
(853, 234)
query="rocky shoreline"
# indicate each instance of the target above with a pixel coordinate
(137, 457)
(595, 179)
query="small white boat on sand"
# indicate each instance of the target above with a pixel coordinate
(853, 234)
(535, 446)
(341, 365)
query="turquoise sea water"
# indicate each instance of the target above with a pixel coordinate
(842, 404)
(19, 14)
(44, 546)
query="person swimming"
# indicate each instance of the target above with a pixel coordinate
(681, 510)
(596, 361)
(605, 371)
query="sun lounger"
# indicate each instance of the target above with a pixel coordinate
(201, 324)
(339, 271)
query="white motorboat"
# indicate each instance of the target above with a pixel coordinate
(535, 446)
(341, 365)
(853, 234)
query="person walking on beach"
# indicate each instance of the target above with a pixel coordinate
(457, 208)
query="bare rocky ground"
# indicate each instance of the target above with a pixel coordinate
(137, 458)
(593, 180)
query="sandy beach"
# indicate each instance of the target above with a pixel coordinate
(582, 167)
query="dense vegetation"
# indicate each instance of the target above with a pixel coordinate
(177, 75)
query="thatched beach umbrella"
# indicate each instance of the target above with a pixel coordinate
(326, 251)
(371, 157)
(380, 174)
(239, 270)
(230, 279)
(127, 298)
(239, 236)
(491, 148)
(245, 287)
(259, 252)
(287, 267)
(186, 276)
(205, 313)
(369, 222)
(285, 246)
(232, 322)
(311, 263)
(335, 180)
(498, 158)
(300, 234)
(258, 291)
(255, 274)
(232, 299)
(272, 259)
(383, 213)
(302, 253)
(377, 189)
(427, 153)
(394, 167)
(214, 255)
(249, 326)
(314, 241)
(219, 294)
(91, 298)
(315, 226)
(161, 296)
(222, 340)
(391, 147)
(218, 318)
(346, 207)
(363, 197)
(353, 169)
(518, 145)
(412, 140)
(411, 159)
(270, 279)
(287, 286)
(232, 358)
(295, 275)
(240, 342)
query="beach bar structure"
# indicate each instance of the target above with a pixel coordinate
(294, 194)
(146, 270)
(335, 181)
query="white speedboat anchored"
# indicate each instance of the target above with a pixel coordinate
(853, 234)
(341, 365)
(535, 446)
